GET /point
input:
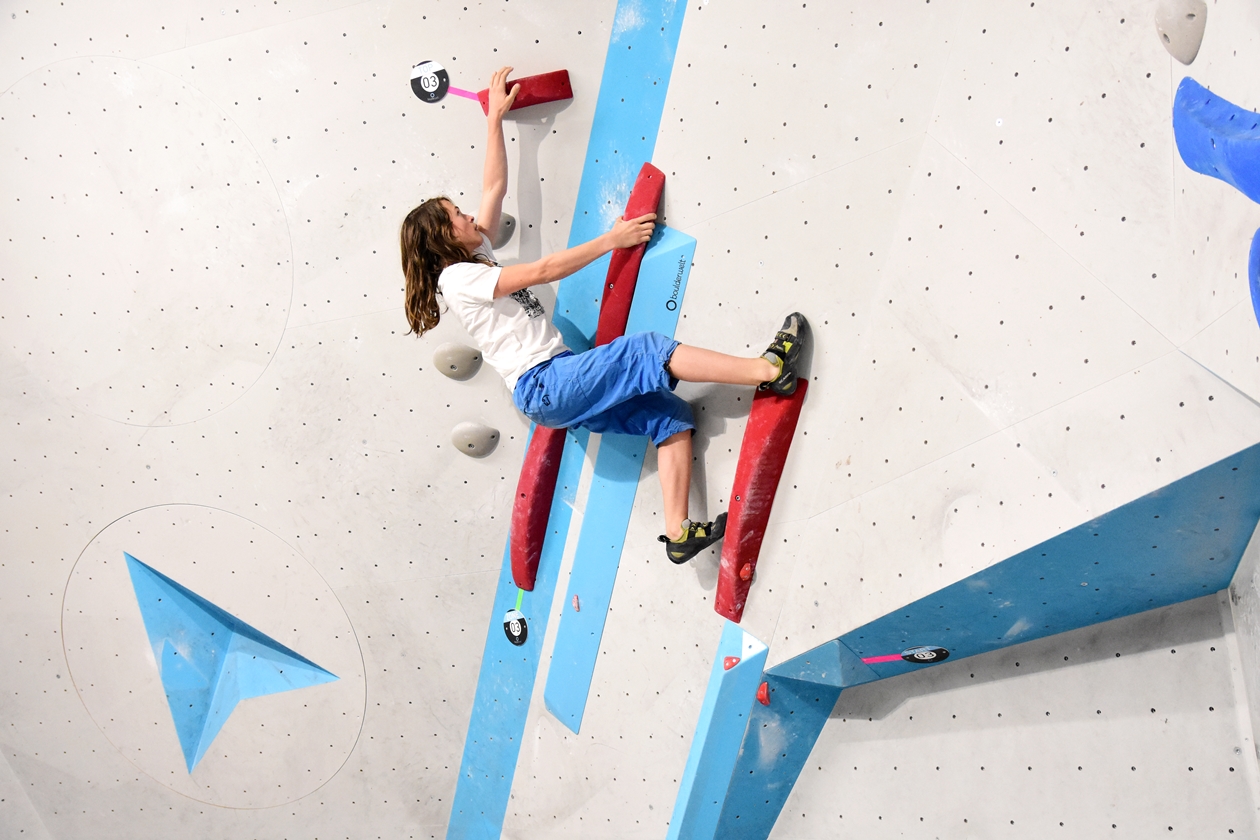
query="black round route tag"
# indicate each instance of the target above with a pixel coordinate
(515, 628)
(429, 81)
(924, 654)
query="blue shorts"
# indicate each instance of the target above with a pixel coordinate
(621, 387)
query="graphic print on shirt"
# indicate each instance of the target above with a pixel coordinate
(533, 309)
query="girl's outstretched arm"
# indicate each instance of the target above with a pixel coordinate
(494, 177)
(624, 234)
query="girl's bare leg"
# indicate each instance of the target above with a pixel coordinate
(695, 364)
(673, 458)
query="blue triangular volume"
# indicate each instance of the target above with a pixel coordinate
(828, 664)
(209, 660)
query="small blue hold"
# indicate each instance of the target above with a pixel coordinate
(1217, 138)
(1253, 272)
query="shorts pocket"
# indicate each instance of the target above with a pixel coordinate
(539, 406)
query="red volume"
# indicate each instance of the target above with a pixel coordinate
(535, 90)
(530, 511)
(623, 270)
(767, 438)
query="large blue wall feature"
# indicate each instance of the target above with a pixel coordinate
(719, 731)
(627, 120)
(1180, 542)
(209, 660)
(1217, 138)
(627, 117)
(776, 745)
(661, 286)
(505, 682)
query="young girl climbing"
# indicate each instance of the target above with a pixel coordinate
(624, 387)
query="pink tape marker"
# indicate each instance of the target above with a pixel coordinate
(467, 94)
(921, 655)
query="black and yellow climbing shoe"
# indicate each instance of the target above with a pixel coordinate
(696, 537)
(785, 353)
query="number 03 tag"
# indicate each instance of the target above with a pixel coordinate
(429, 81)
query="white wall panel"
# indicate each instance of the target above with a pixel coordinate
(797, 140)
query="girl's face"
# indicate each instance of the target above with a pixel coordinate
(465, 227)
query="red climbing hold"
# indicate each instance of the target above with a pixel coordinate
(763, 694)
(729, 662)
(577, 607)
(532, 507)
(623, 269)
(767, 438)
(535, 90)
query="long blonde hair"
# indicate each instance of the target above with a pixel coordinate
(428, 245)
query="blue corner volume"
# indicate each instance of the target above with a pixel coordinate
(734, 678)
(210, 660)
(1180, 542)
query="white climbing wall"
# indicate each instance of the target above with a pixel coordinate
(1027, 313)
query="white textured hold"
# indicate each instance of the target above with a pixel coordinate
(474, 439)
(1180, 24)
(507, 225)
(457, 361)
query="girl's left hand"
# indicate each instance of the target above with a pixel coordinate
(501, 99)
(627, 233)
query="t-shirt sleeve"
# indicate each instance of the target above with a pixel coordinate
(471, 283)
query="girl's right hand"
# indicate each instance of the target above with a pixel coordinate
(627, 233)
(501, 99)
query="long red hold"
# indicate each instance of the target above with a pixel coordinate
(532, 508)
(535, 90)
(767, 438)
(623, 270)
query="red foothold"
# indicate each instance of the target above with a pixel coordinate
(763, 694)
(745, 571)
(729, 662)
(576, 606)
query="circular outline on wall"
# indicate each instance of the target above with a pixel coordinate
(131, 345)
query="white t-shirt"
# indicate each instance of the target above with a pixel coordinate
(513, 332)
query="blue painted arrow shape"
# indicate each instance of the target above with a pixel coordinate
(209, 660)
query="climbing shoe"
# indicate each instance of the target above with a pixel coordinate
(696, 537)
(785, 353)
